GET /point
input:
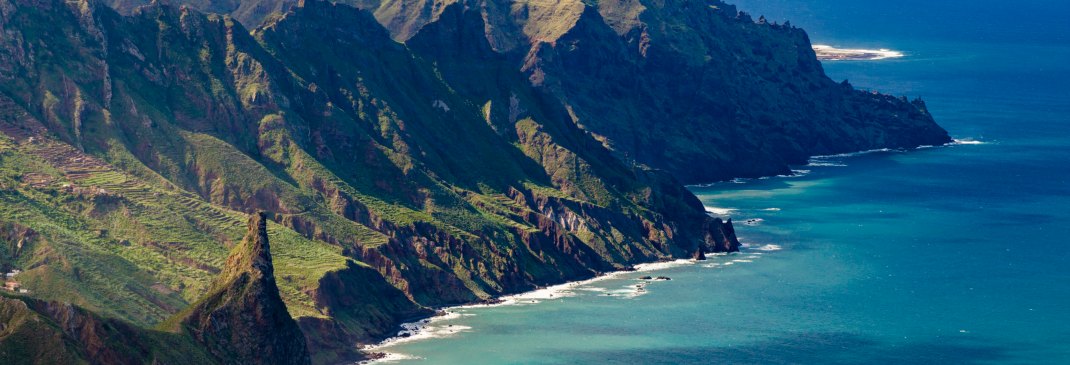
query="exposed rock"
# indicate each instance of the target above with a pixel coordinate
(321, 118)
(243, 320)
(699, 255)
(720, 236)
(676, 86)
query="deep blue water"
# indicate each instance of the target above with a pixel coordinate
(944, 255)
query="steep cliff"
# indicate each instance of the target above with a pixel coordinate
(243, 320)
(695, 88)
(133, 146)
(671, 84)
(501, 147)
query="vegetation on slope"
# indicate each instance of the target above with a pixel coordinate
(133, 146)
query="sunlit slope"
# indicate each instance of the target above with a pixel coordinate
(134, 146)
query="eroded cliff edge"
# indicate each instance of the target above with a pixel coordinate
(402, 177)
(669, 84)
(132, 145)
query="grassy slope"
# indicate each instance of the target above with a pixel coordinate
(136, 251)
(133, 146)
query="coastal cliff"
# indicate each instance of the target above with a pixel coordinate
(395, 178)
(133, 146)
(673, 84)
(669, 84)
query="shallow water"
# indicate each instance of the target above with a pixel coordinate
(955, 254)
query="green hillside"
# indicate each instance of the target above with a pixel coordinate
(133, 147)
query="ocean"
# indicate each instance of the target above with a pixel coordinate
(944, 255)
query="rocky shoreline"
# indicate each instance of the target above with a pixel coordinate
(405, 163)
(410, 330)
(420, 328)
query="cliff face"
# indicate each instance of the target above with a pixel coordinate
(132, 146)
(695, 88)
(670, 84)
(27, 337)
(492, 152)
(243, 320)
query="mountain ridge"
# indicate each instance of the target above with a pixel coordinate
(243, 319)
(134, 145)
(400, 177)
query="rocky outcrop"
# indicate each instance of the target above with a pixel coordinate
(14, 240)
(670, 84)
(26, 337)
(363, 308)
(720, 236)
(703, 92)
(461, 165)
(243, 320)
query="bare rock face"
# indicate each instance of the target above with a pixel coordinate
(244, 320)
(720, 236)
(501, 148)
(699, 90)
(27, 337)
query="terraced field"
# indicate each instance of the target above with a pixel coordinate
(169, 240)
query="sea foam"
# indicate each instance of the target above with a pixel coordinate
(830, 53)
(720, 211)
(389, 358)
(769, 248)
(429, 328)
(420, 330)
(852, 154)
(822, 163)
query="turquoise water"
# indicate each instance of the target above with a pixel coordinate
(956, 254)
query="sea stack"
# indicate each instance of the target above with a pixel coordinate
(243, 320)
(721, 236)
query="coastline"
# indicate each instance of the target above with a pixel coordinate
(817, 161)
(424, 328)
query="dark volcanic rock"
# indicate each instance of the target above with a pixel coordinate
(699, 255)
(504, 146)
(672, 84)
(721, 236)
(703, 92)
(243, 320)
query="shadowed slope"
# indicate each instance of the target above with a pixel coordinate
(243, 320)
(133, 146)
